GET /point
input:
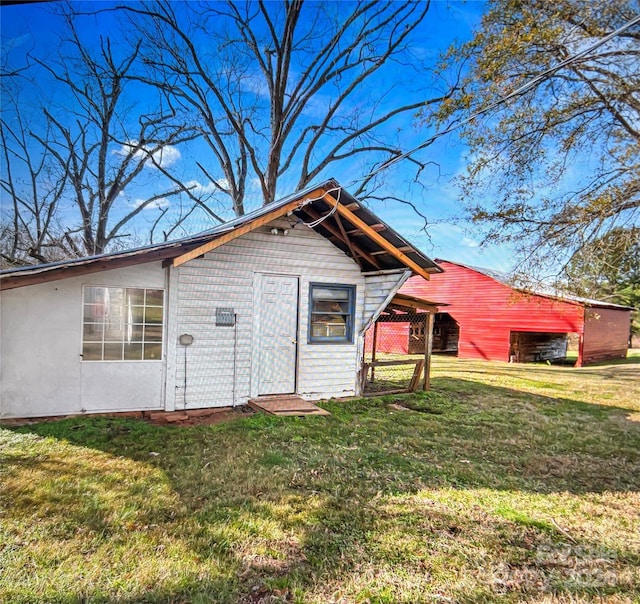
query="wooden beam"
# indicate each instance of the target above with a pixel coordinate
(404, 248)
(379, 239)
(347, 240)
(246, 228)
(407, 302)
(394, 363)
(316, 216)
(375, 227)
(400, 307)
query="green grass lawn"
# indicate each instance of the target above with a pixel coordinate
(505, 483)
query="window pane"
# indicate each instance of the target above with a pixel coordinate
(326, 293)
(94, 313)
(329, 329)
(155, 297)
(135, 333)
(113, 352)
(113, 301)
(318, 330)
(337, 331)
(153, 314)
(114, 331)
(136, 314)
(327, 306)
(94, 294)
(133, 352)
(153, 333)
(152, 351)
(135, 297)
(92, 352)
(93, 332)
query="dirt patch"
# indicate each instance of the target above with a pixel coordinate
(195, 417)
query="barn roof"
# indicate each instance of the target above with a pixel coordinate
(503, 278)
(326, 208)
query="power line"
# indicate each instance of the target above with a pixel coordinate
(517, 92)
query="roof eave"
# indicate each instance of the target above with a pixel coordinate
(184, 250)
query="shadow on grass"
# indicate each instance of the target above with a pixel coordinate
(455, 493)
(624, 369)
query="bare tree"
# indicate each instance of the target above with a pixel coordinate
(278, 93)
(66, 169)
(29, 230)
(288, 89)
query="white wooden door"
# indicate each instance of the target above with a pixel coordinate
(278, 331)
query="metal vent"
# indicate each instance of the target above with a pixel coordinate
(225, 317)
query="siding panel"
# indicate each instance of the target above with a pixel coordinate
(226, 277)
(378, 288)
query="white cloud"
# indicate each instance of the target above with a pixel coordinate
(165, 156)
(156, 204)
(197, 188)
(468, 242)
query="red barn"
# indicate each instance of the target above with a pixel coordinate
(486, 318)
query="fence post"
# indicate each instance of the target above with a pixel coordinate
(373, 351)
(428, 344)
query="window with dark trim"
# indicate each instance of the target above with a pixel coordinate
(122, 324)
(331, 313)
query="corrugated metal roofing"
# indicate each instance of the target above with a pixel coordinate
(503, 278)
(15, 277)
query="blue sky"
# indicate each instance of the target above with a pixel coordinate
(31, 28)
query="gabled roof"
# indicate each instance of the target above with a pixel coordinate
(503, 278)
(327, 209)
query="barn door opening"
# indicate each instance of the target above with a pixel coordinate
(277, 329)
(446, 333)
(533, 347)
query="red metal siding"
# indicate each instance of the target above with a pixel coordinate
(606, 334)
(487, 311)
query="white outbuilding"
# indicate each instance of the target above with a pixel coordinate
(274, 302)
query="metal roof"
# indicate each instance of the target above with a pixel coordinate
(503, 278)
(362, 243)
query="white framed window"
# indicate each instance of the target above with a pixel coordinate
(122, 323)
(331, 313)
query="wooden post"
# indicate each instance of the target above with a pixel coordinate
(414, 383)
(428, 344)
(373, 351)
